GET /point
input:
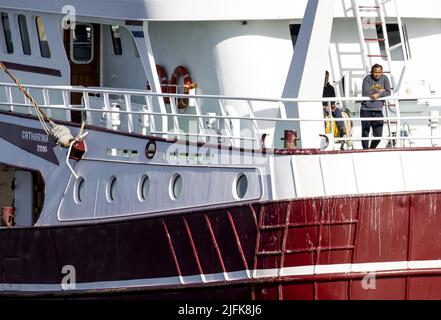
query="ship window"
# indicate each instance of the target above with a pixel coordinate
(80, 190)
(116, 40)
(144, 188)
(294, 29)
(150, 150)
(176, 186)
(241, 186)
(7, 33)
(112, 189)
(81, 43)
(24, 34)
(395, 42)
(42, 38)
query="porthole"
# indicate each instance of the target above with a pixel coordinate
(176, 186)
(79, 190)
(150, 150)
(144, 188)
(112, 189)
(241, 185)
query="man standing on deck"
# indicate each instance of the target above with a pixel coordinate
(376, 86)
(330, 106)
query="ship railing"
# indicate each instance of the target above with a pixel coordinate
(118, 109)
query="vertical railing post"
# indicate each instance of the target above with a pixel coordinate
(106, 115)
(398, 112)
(144, 118)
(227, 125)
(47, 102)
(255, 124)
(391, 143)
(28, 102)
(9, 97)
(128, 103)
(200, 120)
(87, 107)
(174, 113)
(66, 103)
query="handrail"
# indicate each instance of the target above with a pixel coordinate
(109, 98)
(228, 117)
(121, 92)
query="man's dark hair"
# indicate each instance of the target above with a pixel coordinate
(375, 66)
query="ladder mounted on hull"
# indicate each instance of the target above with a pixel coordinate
(369, 16)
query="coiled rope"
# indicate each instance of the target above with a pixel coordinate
(59, 133)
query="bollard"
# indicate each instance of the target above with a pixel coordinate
(290, 139)
(8, 216)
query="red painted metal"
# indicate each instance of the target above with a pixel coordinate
(216, 245)
(263, 237)
(258, 236)
(284, 242)
(374, 39)
(409, 251)
(172, 249)
(78, 150)
(357, 210)
(236, 236)
(193, 247)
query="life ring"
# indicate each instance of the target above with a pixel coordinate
(179, 72)
(162, 75)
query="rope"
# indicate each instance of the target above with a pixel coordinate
(60, 134)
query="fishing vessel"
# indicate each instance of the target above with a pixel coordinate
(177, 150)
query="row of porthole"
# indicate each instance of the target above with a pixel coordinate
(175, 189)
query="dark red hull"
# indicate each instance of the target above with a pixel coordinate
(264, 236)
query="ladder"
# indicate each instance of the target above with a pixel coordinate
(369, 17)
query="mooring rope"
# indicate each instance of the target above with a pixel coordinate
(60, 134)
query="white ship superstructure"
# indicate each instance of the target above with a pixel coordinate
(201, 146)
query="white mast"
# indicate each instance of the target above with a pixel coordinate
(307, 70)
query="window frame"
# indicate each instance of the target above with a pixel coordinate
(23, 30)
(115, 39)
(9, 45)
(395, 55)
(40, 41)
(92, 51)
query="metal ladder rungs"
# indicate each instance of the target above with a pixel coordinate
(368, 9)
(374, 39)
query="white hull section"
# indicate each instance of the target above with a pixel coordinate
(244, 276)
(356, 173)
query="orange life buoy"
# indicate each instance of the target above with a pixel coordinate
(162, 75)
(179, 72)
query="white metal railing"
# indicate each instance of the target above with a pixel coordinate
(120, 113)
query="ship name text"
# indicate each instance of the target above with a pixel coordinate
(34, 136)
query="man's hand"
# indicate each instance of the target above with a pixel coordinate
(375, 96)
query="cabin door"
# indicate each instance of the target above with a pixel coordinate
(83, 50)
